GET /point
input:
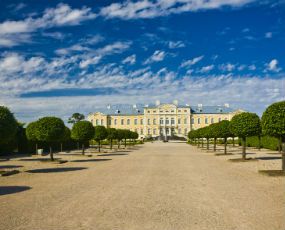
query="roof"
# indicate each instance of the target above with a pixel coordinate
(123, 109)
(211, 109)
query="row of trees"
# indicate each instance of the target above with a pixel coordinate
(51, 130)
(245, 125)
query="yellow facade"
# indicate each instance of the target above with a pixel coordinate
(162, 119)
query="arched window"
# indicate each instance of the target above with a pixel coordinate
(128, 122)
(212, 120)
(154, 121)
(199, 121)
(206, 120)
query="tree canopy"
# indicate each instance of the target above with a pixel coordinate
(8, 125)
(245, 125)
(82, 131)
(273, 120)
(76, 117)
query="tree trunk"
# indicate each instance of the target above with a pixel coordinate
(36, 148)
(225, 145)
(118, 143)
(202, 142)
(283, 156)
(51, 154)
(198, 142)
(83, 149)
(215, 144)
(244, 148)
(125, 142)
(279, 144)
(259, 142)
(77, 145)
(99, 145)
(207, 143)
(233, 141)
(111, 143)
(60, 147)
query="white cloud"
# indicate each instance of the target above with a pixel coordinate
(273, 66)
(206, 69)
(157, 56)
(191, 62)
(89, 61)
(151, 9)
(268, 35)
(228, 67)
(130, 60)
(61, 15)
(174, 45)
(252, 67)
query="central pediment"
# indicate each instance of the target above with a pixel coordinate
(167, 106)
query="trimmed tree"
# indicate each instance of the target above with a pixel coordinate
(245, 125)
(111, 135)
(82, 131)
(50, 130)
(120, 136)
(215, 133)
(75, 118)
(273, 124)
(31, 133)
(8, 125)
(224, 132)
(100, 134)
(65, 137)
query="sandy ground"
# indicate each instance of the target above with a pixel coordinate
(156, 186)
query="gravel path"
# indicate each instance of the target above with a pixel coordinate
(159, 186)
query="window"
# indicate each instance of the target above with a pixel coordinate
(148, 111)
(141, 131)
(128, 122)
(148, 121)
(154, 132)
(148, 131)
(161, 121)
(226, 118)
(97, 122)
(212, 120)
(167, 121)
(102, 122)
(206, 120)
(154, 111)
(109, 121)
(122, 122)
(199, 121)
(161, 131)
(172, 121)
(136, 121)
(185, 111)
(220, 119)
(185, 121)
(141, 121)
(172, 111)
(154, 121)
(179, 121)
(185, 131)
(179, 131)
(192, 120)
(179, 110)
(115, 122)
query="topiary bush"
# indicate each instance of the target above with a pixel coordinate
(245, 125)
(8, 125)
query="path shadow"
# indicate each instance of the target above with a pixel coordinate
(4, 190)
(112, 154)
(10, 166)
(268, 158)
(91, 160)
(55, 170)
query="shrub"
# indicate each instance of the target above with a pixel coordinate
(82, 131)
(8, 125)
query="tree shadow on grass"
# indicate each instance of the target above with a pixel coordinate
(55, 170)
(91, 160)
(10, 166)
(4, 190)
(112, 154)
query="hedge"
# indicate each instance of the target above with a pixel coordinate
(267, 142)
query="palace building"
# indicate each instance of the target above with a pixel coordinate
(161, 120)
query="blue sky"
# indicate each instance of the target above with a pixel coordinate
(60, 57)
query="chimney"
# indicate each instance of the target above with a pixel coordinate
(227, 105)
(157, 102)
(175, 102)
